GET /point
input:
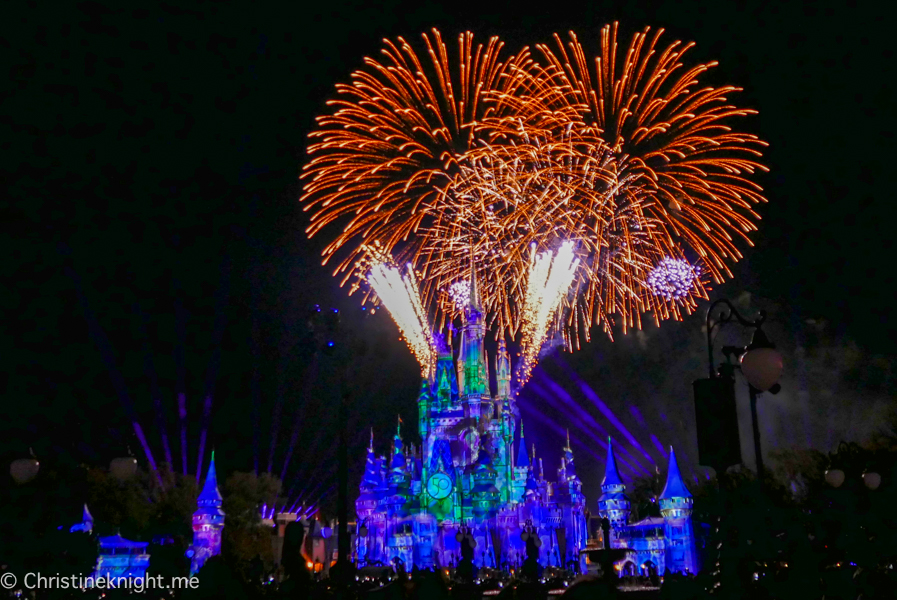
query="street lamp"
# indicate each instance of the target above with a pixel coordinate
(23, 470)
(760, 364)
(123, 468)
(850, 456)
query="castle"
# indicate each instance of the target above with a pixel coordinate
(658, 544)
(465, 479)
(466, 483)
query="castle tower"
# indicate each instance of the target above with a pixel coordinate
(613, 503)
(574, 485)
(473, 333)
(446, 384)
(484, 494)
(676, 507)
(424, 401)
(208, 521)
(522, 457)
(503, 371)
(398, 468)
(371, 481)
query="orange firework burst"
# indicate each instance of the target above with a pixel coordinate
(435, 163)
(384, 159)
(678, 172)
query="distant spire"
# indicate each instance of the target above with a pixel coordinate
(568, 455)
(611, 474)
(399, 428)
(210, 494)
(474, 292)
(533, 456)
(674, 488)
(522, 456)
(86, 517)
(371, 445)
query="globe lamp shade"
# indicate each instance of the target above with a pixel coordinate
(24, 470)
(363, 532)
(834, 477)
(872, 480)
(123, 468)
(762, 367)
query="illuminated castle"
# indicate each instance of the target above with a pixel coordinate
(659, 544)
(208, 521)
(412, 504)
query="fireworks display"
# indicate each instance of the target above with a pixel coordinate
(550, 276)
(678, 171)
(673, 278)
(401, 297)
(444, 160)
(460, 294)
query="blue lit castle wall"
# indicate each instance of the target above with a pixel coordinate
(413, 502)
(659, 544)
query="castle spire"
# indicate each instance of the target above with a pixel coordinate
(611, 474)
(503, 370)
(474, 292)
(522, 456)
(613, 503)
(208, 520)
(568, 455)
(210, 496)
(675, 487)
(371, 445)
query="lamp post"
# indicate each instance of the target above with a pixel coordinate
(760, 364)
(23, 470)
(853, 458)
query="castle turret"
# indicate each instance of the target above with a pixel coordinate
(574, 485)
(398, 478)
(568, 459)
(208, 521)
(676, 507)
(484, 494)
(503, 371)
(476, 386)
(371, 481)
(613, 503)
(424, 401)
(446, 384)
(531, 489)
(522, 456)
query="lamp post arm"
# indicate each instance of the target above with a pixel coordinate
(729, 313)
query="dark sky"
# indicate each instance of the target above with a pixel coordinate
(151, 170)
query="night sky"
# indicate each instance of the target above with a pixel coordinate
(154, 235)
